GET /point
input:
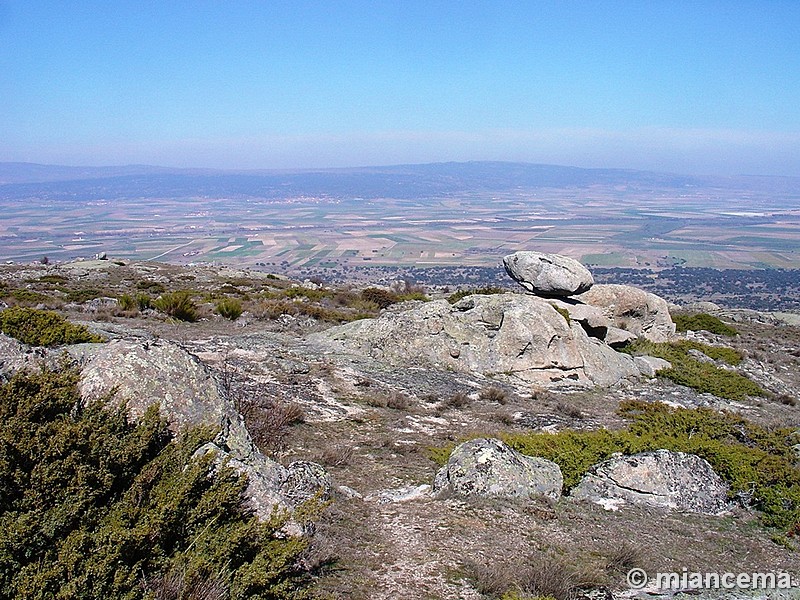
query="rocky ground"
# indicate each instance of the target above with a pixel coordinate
(372, 424)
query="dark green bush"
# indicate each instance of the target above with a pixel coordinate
(92, 506)
(84, 295)
(485, 291)
(151, 287)
(54, 279)
(382, 298)
(143, 301)
(701, 376)
(178, 305)
(127, 302)
(29, 297)
(703, 322)
(42, 328)
(230, 308)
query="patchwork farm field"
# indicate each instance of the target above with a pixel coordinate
(607, 225)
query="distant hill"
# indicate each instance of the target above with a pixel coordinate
(25, 180)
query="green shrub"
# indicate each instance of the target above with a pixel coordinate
(54, 279)
(28, 297)
(407, 296)
(84, 295)
(563, 312)
(379, 297)
(701, 376)
(43, 328)
(151, 287)
(485, 291)
(230, 308)
(703, 322)
(143, 301)
(92, 506)
(752, 460)
(127, 302)
(178, 305)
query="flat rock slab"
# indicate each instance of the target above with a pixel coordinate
(548, 274)
(663, 479)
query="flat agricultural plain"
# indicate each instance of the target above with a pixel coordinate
(602, 223)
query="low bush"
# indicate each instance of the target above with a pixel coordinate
(143, 301)
(758, 464)
(178, 305)
(43, 328)
(381, 298)
(53, 279)
(457, 400)
(484, 291)
(151, 287)
(230, 308)
(701, 376)
(703, 322)
(84, 295)
(493, 394)
(92, 506)
(127, 303)
(29, 298)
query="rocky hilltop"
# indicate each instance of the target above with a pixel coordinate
(478, 444)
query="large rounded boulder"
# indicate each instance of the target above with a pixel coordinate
(488, 467)
(641, 313)
(516, 335)
(142, 373)
(662, 479)
(548, 274)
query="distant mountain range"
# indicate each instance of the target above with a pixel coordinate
(27, 180)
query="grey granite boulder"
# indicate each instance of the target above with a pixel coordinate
(641, 313)
(141, 373)
(516, 335)
(15, 356)
(548, 274)
(663, 479)
(488, 467)
(651, 365)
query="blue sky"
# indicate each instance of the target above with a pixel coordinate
(696, 87)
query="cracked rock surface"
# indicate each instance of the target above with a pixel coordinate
(488, 467)
(516, 335)
(664, 479)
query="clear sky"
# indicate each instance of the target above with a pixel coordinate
(695, 87)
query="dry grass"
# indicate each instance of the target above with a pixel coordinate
(394, 400)
(457, 400)
(544, 575)
(569, 410)
(493, 394)
(624, 557)
(176, 586)
(336, 455)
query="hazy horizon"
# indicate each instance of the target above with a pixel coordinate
(697, 88)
